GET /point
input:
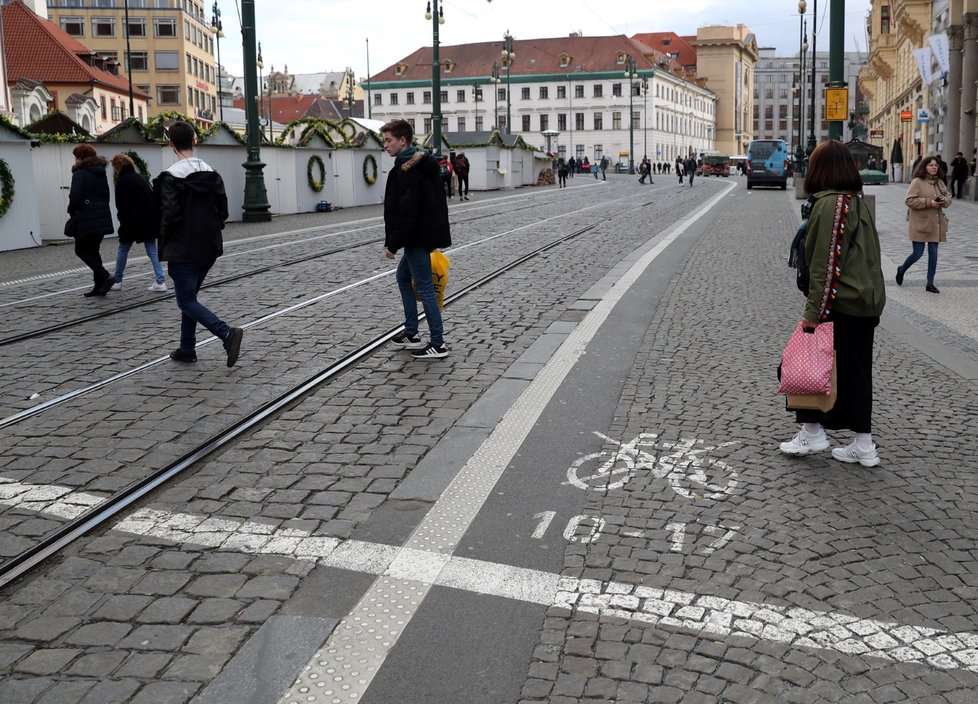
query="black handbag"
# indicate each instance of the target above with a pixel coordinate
(71, 227)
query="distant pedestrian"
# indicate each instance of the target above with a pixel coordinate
(139, 220)
(944, 169)
(871, 164)
(679, 169)
(846, 288)
(604, 163)
(595, 168)
(416, 220)
(571, 166)
(193, 209)
(445, 172)
(926, 199)
(561, 173)
(959, 174)
(584, 166)
(690, 167)
(88, 205)
(462, 174)
(883, 166)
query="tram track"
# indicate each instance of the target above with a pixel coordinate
(117, 502)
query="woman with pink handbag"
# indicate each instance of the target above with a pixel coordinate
(846, 288)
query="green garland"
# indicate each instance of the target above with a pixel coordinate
(317, 162)
(6, 188)
(141, 165)
(370, 176)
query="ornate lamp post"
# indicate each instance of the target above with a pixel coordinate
(477, 93)
(350, 81)
(631, 74)
(802, 52)
(495, 95)
(508, 55)
(811, 134)
(218, 33)
(261, 87)
(437, 17)
(255, 197)
(645, 111)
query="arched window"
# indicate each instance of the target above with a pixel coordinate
(565, 60)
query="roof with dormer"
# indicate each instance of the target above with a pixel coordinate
(39, 50)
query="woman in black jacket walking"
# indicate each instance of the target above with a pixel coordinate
(88, 205)
(139, 220)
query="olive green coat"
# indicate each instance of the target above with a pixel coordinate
(927, 224)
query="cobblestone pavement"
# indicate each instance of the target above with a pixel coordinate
(784, 580)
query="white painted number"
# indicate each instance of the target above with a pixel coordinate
(546, 517)
(678, 535)
(570, 532)
(722, 540)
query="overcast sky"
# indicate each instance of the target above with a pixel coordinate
(329, 35)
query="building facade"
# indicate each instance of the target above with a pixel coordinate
(568, 94)
(778, 83)
(172, 48)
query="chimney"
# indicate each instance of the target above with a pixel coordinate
(38, 7)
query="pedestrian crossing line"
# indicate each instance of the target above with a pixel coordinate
(420, 569)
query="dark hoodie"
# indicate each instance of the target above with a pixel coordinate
(88, 199)
(415, 205)
(193, 209)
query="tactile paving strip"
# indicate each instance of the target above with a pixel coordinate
(343, 668)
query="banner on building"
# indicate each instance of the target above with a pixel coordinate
(942, 50)
(923, 64)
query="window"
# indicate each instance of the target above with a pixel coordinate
(525, 93)
(75, 26)
(104, 3)
(598, 90)
(190, 96)
(427, 125)
(621, 57)
(769, 112)
(502, 122)
(616, 90)
(167, 61)
(562, 121)
(460, 96)
(579, 149)
(616, 120)
(393, 99)
(186, 29)
(544, 93)
(103, 26)
(164, 27)
(444, 96)
(477, 92)
(637, 89)
(411, 122)
(565, 60)
(561, 152)
(139, 61)
(598, 152)
(188, 62)
(102, 104)
(635, 119)
(137, 26)
(501, 93)
(783, 125)
(409, 99)
(399, 69)
(769, 94)
(461, 124)
(378, 99)
(526, 123)
(579, 121)
(72, 3)
(782, 92)
(768, 126)
(478, 124)
(885, 19)
(168, 95)
(598, 121)
(562, 92)
(544, 122)
(426, 97)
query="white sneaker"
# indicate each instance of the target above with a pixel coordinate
(117, 286)
(159, 288)
(851, 453)
(805, 442)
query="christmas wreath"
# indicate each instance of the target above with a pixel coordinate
(141, 166)
(315, 162)
(370, 170)
(6, 188)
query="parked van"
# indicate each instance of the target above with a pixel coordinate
(768, 163)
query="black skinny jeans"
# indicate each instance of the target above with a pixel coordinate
(87, 249)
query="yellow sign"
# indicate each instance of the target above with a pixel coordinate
(836, 104)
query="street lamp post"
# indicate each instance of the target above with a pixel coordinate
(495, 95)
(811, 134)
(218, 33)
(476, 92)
(351, 79)
(255, 197)
(437, 17)
(132, 106)
(261, 87)
(802, 51)
(631, 74)
(645, 118)
(508, 56)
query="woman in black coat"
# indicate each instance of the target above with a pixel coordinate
(88, 205)
(139, 220)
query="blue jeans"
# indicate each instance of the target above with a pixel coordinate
(918, 251)
(122, 256)
(415, 265)
(188, 277)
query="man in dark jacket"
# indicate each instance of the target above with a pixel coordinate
(462, 173)
(193, 208)
(959, 174)
(88, 207)
(415, 219)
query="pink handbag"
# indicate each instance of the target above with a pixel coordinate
(807, 362)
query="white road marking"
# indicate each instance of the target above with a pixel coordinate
(797, 627)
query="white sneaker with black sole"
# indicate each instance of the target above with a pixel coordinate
(431, 351)
(804, 443)
(408, 342)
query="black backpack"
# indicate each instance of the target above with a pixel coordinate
(797, 259)
(444, 170)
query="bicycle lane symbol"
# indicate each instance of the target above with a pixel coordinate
(688, 471)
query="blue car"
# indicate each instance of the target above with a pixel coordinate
(768, 163)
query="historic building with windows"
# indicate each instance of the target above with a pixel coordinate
(574, 91)
(172, 48)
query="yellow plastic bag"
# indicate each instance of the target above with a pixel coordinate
(439, 276)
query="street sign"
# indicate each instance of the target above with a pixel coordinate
(876, 134)
(906, 116)
(836, 104)
(923, 116)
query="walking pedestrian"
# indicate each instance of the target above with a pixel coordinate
(679, 169)
(959, 174)
(415, 220)
(462, 174)
(846, 288)
(88, 206)
(605, 161)
(139, 220)
(445, 171)
(561, 173)
(595, 168)
(926, 199)
(690, 167)
(193, 209)
(572, 166)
